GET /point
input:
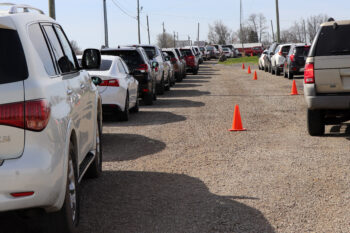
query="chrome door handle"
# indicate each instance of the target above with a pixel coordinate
(69, 91)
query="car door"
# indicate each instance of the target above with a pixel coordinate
(76, 87)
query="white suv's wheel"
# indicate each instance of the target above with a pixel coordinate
(67, 219)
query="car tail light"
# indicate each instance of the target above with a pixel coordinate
(32, 115)
(156, 69)
(22, 194)
(37, 114)
(280, 53)
(110, 83)
(309, 73)
(143, 67)
(12, 114)
(291, 58)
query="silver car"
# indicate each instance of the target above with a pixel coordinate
(50, 118)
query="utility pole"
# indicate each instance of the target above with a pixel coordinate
(273, 33)
(278, 23)
(105, 22)
(189, 40)
(163, 44)
(174, 40)
(138, 20)
(240, 24)
(304, 27)
(52, 10)
(198, 36)
(149, 38)
(177, 36)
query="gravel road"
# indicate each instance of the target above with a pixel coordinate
(175, 167)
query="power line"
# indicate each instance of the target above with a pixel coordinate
(122, 10)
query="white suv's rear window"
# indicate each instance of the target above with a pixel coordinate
(13, 65)
(333, 40)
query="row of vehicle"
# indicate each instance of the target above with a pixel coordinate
(52, 104)
(326, 68)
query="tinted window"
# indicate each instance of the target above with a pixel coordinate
(178, 53)
(64, 64)
(187, 52)
(151, 52)
(302, 51)
(67, 49)
(105, 65)
(285, 49)
(132, 58)
(170, 53)
(333, 41)
(39, 42)
(13, 65)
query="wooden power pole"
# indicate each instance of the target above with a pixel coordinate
(149, 37)
(52, 10)
(278, 23)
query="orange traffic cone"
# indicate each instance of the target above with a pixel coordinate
(243, 67)
(255, 76)
(237, 121)
(294, 89)
(249, 71)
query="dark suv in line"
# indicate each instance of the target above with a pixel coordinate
(295, 60)
(141, 68)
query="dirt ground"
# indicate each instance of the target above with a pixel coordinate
(175, 167)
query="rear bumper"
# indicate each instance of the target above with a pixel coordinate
(325, 102)
(113, 96)
(38, 170)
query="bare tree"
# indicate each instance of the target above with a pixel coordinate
(257, 23)
(313, 24)
(262, 26)
(219, 33)
(76, 48)
(165, 40)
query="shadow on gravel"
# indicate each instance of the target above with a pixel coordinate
(186, 85)
(187, 93)
(204, 73)
(177, 103)
(161, 202)
(124, 147)
(196, 77)
(144, 118)
(194, 81)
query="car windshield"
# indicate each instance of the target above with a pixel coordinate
(150, 51)
(132, 58)
(333, 41)
(210, 48)
(187, 52)
(13, 66)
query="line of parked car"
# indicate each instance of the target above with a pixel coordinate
(326, 68)
(52, 105)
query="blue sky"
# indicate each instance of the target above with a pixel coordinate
(83, 19)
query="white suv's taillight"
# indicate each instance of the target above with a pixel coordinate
(309, 73)
(32, 115)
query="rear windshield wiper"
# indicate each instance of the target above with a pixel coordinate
(341, 52)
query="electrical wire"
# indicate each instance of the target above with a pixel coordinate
(124, 11)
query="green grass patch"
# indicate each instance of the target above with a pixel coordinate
(230, 61)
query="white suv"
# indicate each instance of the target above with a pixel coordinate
(50, 118)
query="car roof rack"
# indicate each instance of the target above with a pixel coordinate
(14, 8)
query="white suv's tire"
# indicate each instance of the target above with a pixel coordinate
(315, 122)
(67, 219)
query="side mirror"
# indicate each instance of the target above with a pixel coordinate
(91, 59)
(155, 64)
(96, 80)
